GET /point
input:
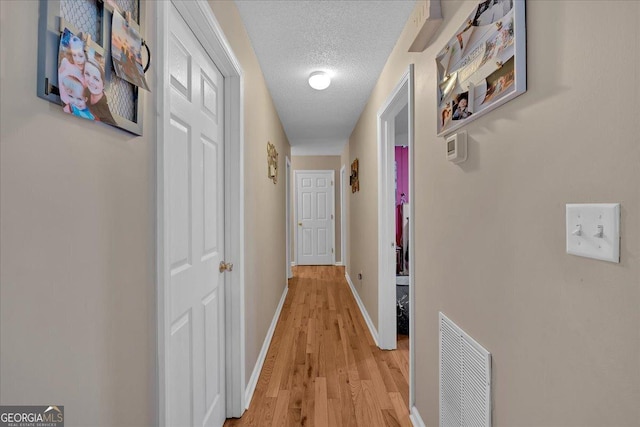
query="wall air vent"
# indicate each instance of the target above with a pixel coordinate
(465, 379)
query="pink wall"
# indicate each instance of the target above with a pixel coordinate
(402, 173)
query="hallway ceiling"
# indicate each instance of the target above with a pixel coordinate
(349, 39)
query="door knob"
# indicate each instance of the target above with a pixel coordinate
(300, 224)
(225, 266)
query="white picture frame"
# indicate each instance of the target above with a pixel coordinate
(483, 65)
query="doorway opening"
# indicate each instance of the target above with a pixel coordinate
(287, 173)
(395, 224)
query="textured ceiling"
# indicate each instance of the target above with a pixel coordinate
(349, 39)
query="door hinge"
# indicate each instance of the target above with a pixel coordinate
(332, 183)
(331, 216)
(331, 250)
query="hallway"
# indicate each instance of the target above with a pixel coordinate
(323, 368)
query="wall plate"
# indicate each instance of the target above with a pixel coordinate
(593, 231)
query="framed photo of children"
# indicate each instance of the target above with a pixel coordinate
(81, 79)
(76, 66)
(483, 65)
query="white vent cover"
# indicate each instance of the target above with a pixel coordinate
(465, 378)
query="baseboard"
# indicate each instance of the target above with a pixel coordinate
(253, 381)
(363, 310)
(415, 418)
(293, 264)
(339, 264)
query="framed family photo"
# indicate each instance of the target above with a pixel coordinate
(483, 65)
(75, 64)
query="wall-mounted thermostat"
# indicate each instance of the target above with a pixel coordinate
(457, 147)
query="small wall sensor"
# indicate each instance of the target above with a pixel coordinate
(457, 147)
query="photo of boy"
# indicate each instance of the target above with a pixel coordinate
(461, 107)
(76, 93)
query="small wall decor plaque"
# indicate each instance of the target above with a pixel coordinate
(272, 162)
(483, 65)
(353, 179)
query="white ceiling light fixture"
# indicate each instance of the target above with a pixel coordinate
(319, 80)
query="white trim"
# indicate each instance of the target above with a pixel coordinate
(363, 310)
(333, 208)
(343, 215)
(253, 381)
(415, 418)
(397, 100)
(201, 20)
(412, 242)
(402, 95)
(287, 180)
(293, 264)
(339, 264)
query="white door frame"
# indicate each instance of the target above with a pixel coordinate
(201, 20)
(343, 216)
(287, 173)
(333, 208)
(402, 95)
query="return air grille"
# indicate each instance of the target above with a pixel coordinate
(465, 379)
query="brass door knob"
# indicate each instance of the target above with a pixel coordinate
(300, 224)
(225, 266)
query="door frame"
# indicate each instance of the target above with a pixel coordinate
(202, 22)
(343, 216)
(333, 209)
(402, 95)
(287, 174)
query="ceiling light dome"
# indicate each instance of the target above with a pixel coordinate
(319, 80)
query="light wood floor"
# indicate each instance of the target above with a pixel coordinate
(323, 368)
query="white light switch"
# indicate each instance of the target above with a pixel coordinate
(593, 230)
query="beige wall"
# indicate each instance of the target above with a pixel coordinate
(77, 265)
(490, 246)
(265, 237)
(317, 163)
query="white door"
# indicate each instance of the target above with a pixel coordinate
(315, 215)
(195, 333)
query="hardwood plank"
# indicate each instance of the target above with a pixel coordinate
(322, 368)
(401, 409)
(281, 411)
(321, 414)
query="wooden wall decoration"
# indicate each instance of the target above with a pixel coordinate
(272, 162)
(353, 179)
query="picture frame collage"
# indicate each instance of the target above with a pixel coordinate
(483, 65)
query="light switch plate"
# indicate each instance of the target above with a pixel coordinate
(583, 231)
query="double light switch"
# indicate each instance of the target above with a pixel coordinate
(593, 230)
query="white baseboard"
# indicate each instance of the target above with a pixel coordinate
(363, 310)
(253, 381)
(293, 264)
(339, 264)
(415, 418)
